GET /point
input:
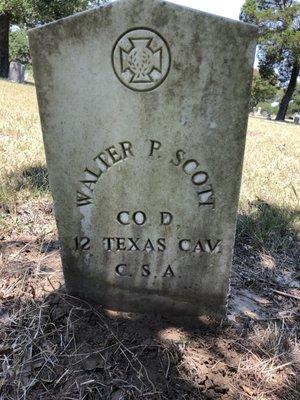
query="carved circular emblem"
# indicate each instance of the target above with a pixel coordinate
(141, 59)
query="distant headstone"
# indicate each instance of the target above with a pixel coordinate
(16, 72)
(144, 109)
(268, 115)
(297, 119)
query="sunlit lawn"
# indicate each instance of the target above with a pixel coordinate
(270, 192)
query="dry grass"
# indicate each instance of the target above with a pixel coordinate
(272, 350)
(269, 204)
(271, 169)
(55, 347)
(23, 175)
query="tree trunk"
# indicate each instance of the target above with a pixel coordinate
(4, 37)
(289, 93)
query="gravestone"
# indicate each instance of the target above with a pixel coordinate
(16, 72)
(144, 109)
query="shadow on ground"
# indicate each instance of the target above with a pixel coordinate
(32, 178)
(62, 348)
(56, 347)
(267, 227)
(265, 262)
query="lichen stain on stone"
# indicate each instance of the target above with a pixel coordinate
(135, 11)
(199, 110)
(43, 72)
(149, 102)
(170, 93)
(196, 44)
(76, 28)
(160, 17)
(87, 25)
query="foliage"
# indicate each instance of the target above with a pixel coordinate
(44, 11)
(267, 108)
(29, 13)
(279, 39)
(262, 91)
(19, 48)
(279, 34)
(32, 12)
(14, 8)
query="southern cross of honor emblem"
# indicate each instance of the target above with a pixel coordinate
(141, 59)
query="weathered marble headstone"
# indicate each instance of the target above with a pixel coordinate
(144, 110)
(16, 72)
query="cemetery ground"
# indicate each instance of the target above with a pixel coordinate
(53, 346)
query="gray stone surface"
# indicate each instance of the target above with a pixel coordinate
(16, 72)
(144, 110)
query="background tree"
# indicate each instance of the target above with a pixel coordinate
(28, 13)
(279, 43)
(18, 46)
(262, 91)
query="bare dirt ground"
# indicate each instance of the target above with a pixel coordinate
(53, 346)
